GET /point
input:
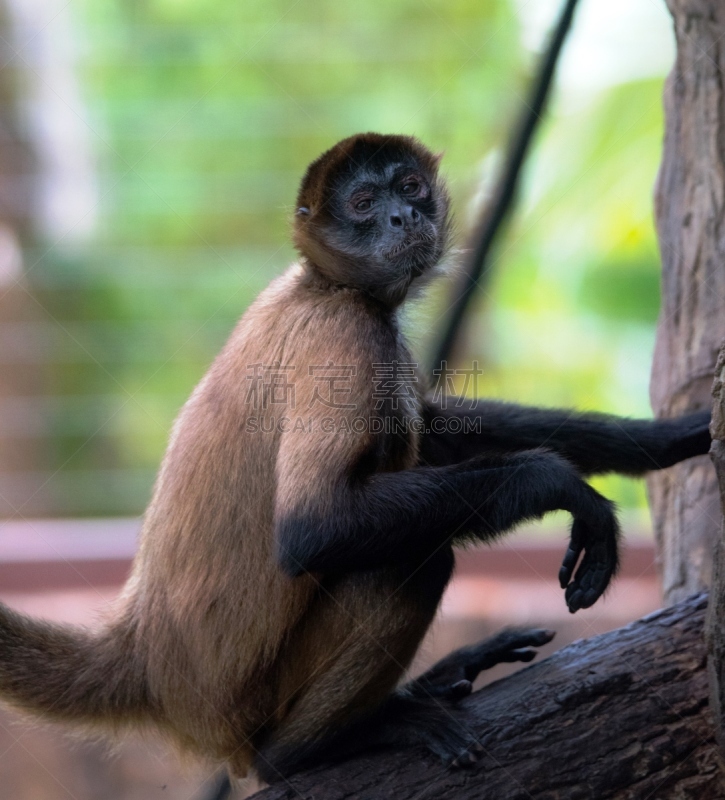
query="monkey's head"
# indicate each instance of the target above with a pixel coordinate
(373, 215)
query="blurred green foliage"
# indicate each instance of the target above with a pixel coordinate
(570, 318)
(204, 114)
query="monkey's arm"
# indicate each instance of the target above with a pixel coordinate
(327, 522)
(594, 443)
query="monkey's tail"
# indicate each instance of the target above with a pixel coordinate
(70, 674)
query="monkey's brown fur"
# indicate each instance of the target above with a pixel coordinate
(210, 641)
(293, 554)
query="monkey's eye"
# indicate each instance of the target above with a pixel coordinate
(363, 205)
(410, 187)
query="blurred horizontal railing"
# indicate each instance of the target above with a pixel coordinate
(70, 554)
(37, 555)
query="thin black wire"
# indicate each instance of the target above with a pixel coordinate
(498, 208)
(221, 789)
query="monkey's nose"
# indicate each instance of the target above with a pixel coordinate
(407, 218)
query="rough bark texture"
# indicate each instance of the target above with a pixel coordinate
(623, 715)
(690, 211)
(715, 623)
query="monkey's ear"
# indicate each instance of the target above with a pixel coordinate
(438, 157)
(303, 212)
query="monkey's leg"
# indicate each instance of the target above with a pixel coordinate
(422, 713)
(594, 443)
(401, 720)
(339, 671)
(452, 677)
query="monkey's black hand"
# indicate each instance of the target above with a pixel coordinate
(452, 677)
(599, 563)
(687, 436)
(507, 646)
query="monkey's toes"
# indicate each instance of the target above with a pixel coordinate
(459, 690)
(513, 644)
(468, 757)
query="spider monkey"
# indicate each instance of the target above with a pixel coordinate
(292, 559)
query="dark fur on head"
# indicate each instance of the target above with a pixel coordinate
(399, 237)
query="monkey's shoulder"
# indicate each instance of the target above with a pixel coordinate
(302, 327)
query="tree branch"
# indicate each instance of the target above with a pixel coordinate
(622, 715)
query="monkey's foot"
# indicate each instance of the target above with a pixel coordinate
(404, 721)
(436, 724)
(452, 677)
(451, 740)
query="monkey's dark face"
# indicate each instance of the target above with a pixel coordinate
(377, 218)
(387, 217)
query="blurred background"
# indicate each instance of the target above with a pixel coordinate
(149, 159)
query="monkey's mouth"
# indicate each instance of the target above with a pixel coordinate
(407, 247)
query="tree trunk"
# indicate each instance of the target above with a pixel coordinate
(623, 715)
(715, 624)
(690, 212)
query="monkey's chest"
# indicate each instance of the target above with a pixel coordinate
(396, 403)
(398, 440)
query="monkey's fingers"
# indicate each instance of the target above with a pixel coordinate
(592, 577)
(514, 644)
(458, 691)
(519, 655)
(452, 676)
(576, 547)
(513, 639)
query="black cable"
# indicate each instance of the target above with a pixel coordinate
(499, 206)
(221, 789)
